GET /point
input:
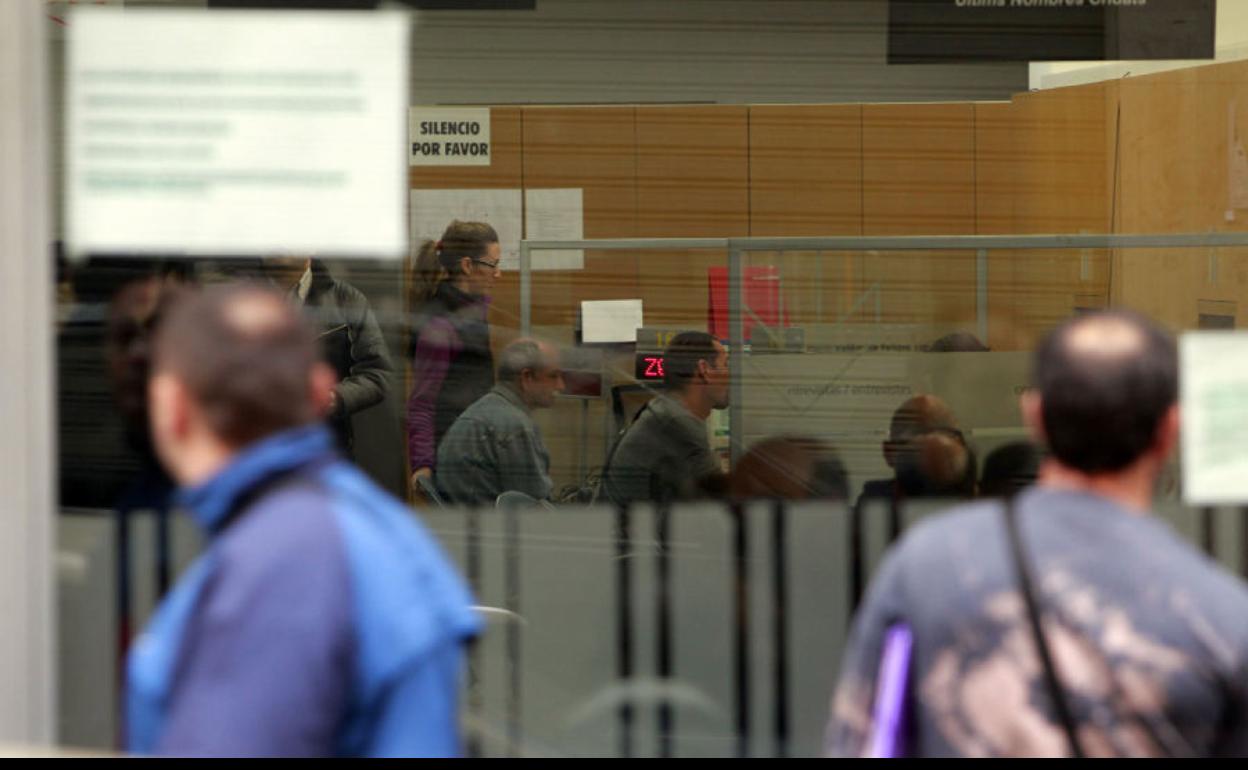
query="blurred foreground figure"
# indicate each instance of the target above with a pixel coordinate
(788, 468)
(1068, 622)
(322, 620)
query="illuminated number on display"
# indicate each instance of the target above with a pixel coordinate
(654, 367)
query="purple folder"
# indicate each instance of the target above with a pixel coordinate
(888, 714)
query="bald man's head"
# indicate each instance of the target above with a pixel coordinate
(1105, 382)
(245, 356)
(919, 415)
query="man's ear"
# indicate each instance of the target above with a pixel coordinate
(1032, 408)
(889, 450)
(321, 382)
(168, 405)
(704, 370)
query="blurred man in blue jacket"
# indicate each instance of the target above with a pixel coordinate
(322, 619)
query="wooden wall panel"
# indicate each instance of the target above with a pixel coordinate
(918, 169)
(805, 170)
(1061, 185)
(1062, 152)
(996, 168)
(593, 149)
(918, 179)
(692, 181)
(1181, 132)
(997, 178)
(806, 180)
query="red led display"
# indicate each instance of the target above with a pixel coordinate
(650, 367)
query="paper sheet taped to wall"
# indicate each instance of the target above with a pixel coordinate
(433, 210)
(611, 320)
(180, 144)
(555, 215)
(1214, 399)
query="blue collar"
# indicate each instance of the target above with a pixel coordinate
(212, 501)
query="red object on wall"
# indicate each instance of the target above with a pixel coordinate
(762, 297)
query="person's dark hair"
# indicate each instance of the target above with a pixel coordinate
(437, 261)
(680, 360)
(958, 342)
(519, 355)
(918, 415)
(134, 315)
(1105, 379)
(244, 354)
(937, 463)
(789, 468)
(99, 279)
(1009, 469)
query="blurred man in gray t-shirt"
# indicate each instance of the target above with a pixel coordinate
(1148, 637)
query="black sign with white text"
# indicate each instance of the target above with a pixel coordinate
(948, 31)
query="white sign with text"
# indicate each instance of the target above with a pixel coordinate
(236, 132)
(1213, 387)
(449, 136)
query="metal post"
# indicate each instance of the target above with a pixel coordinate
(819, 287)
(526, 290)
(981, 295)
(736, 352)
(582, 465)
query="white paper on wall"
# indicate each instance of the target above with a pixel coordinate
(555, 215)
(612, 320)
(433, 210)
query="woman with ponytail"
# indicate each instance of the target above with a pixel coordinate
(449, 289)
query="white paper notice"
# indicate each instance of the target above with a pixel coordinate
(555, 215)
(1214, 399)
(237, 132)
(449, 136)
(611, 320)
(433, 210)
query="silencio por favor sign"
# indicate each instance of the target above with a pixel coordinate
(449, 136)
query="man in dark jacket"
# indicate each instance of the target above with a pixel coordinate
(665, 455)
(349, 336)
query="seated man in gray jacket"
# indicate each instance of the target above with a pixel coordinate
(494, 446)
(665, 454)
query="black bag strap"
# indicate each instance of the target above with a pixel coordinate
(619, 439)
(1056, 692)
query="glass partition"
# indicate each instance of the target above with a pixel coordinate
(876, 250)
